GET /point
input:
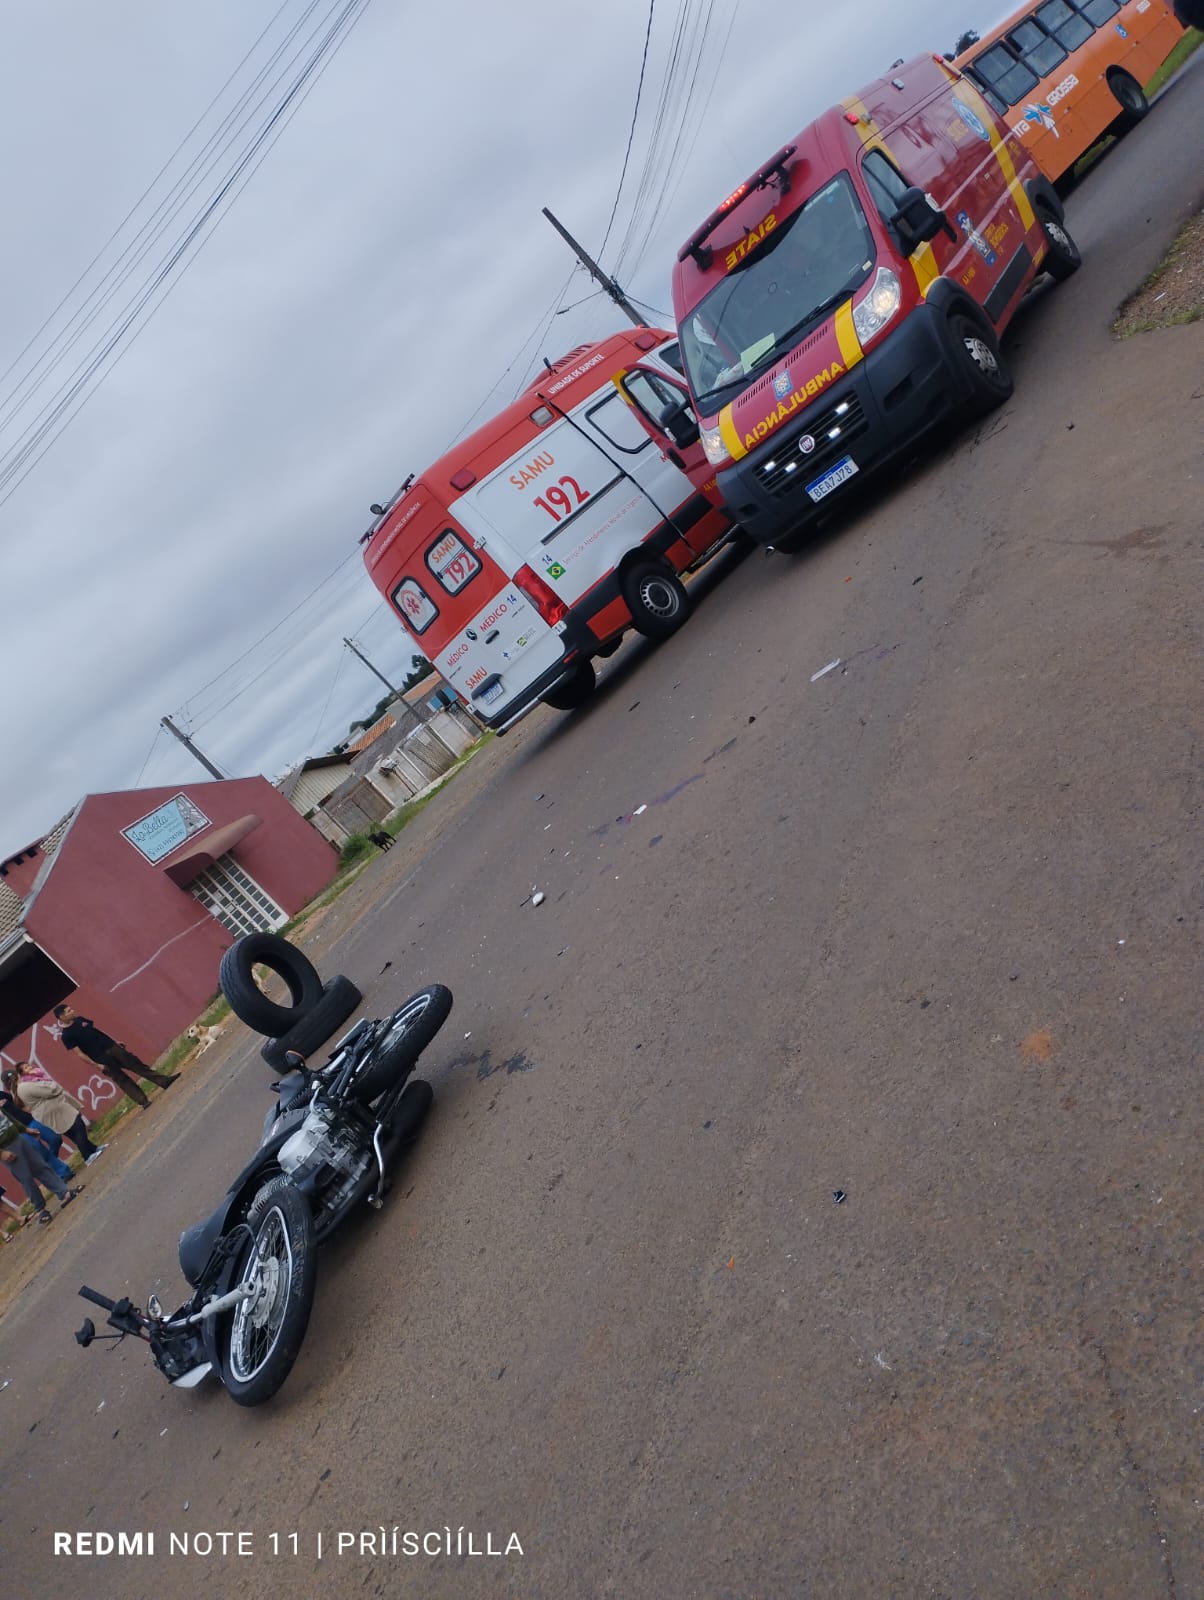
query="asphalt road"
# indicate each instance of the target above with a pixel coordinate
(918, 931)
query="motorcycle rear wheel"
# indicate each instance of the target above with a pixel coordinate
(410, 1029)
(262, 1336)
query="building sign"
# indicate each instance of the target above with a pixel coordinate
(158, 834)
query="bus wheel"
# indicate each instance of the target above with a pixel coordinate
(982, 365)
(656, 598)
(1131, 98)
(573, 690)
(1062, 257)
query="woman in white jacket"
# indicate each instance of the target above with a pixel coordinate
(52, 1105)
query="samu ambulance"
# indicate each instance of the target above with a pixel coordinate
(534, 544)
(849, 296)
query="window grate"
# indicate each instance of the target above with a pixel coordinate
(235, 899)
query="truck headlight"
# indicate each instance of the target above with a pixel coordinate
(871, 314)
(714, 447)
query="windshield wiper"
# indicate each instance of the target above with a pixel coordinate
(722, 388)
(820, 310)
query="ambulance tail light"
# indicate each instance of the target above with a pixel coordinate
(544, 598)
(875, 310)
(713, 447)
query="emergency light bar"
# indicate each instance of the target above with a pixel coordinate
(776, 166)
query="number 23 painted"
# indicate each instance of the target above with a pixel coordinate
(557, 503)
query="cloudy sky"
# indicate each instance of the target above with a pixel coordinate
(223, 336)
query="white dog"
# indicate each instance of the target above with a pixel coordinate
(205, 1036)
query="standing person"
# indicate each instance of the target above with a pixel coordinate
(30, 1168)
(114, 1060)
(53, 1106)
(48, 1140)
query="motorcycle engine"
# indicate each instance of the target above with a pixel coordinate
(322, 1140)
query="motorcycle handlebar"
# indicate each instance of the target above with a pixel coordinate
(97, 1299)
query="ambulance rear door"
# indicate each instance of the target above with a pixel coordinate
(486, 637)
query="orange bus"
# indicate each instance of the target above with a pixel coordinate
(1065, 72)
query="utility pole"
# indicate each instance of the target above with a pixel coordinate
(595, 272)
(396, 693)
(191, 748)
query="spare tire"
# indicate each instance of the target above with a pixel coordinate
(310, 1032)
(248, 1002)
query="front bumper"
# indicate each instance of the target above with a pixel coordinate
(890, 399)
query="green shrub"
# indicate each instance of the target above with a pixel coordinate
(356, 848)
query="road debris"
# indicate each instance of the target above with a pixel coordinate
(823, 671)
(839, 1196)
(639, 812)
(537, 897)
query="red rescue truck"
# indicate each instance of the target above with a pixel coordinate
(533, 545)
(848, 298)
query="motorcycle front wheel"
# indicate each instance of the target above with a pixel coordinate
(407, 1033)
(263, 1334)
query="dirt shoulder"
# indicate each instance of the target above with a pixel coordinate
(1173, 293)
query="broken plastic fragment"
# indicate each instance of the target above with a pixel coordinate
(823, 671)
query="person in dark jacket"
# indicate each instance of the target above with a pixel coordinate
(114, 1060)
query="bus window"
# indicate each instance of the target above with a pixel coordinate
(1035, 47)
(1099, 11)
(1068, 27)
(1011, 80)
(998, 106)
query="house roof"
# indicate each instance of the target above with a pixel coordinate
(370, 735)
(290, 780)
(13, 906)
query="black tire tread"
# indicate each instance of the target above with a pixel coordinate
(310, 1032)
(646, 622)
(383, 1070)
(299, 1224)
(573, 691)
(236, 978)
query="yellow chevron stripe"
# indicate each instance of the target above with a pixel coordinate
(846, 336)
(1002, 154)
(727, 432)
(923, 264)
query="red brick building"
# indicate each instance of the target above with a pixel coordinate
(126, 907)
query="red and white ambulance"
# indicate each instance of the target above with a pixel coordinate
(849, 296)
(533, 545)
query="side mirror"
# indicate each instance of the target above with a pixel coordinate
(679, 423)
(917, 220)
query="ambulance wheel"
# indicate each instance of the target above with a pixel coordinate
(656, 598)
(1131, 98)
(1062, 257)
(976, 350)
(574, 690)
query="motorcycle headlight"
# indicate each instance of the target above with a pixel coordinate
(871, 314)
(714, 447)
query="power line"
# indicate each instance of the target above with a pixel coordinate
(639, 89)
(70, 397)
(149, 754)
(313, 738)
(130, 213)
(275, 628)
(152, 230)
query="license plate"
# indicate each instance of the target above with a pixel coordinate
(832, 479)
(493, 694)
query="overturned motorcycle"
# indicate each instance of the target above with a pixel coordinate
(327, 1146)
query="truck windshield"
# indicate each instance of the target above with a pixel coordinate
(807, 266)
